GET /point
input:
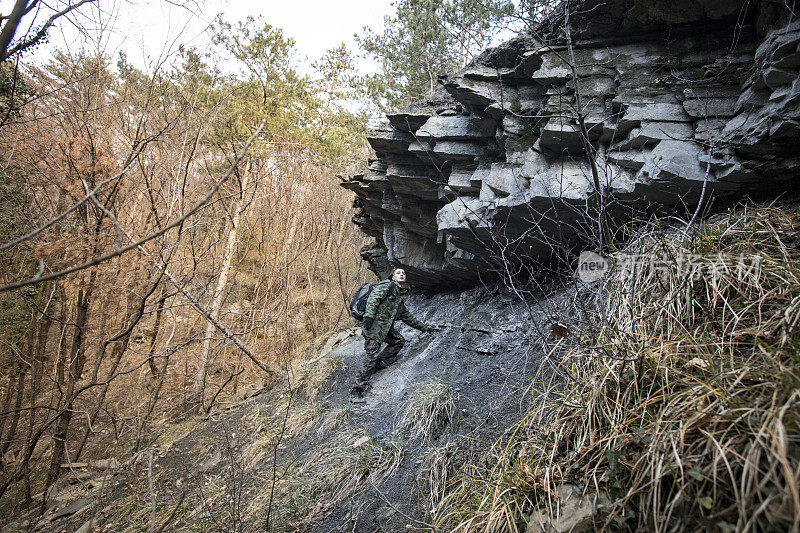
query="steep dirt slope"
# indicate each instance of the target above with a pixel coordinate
(339, 467)
(488, 351)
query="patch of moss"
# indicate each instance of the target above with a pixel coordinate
(177, 431)
(14, 316)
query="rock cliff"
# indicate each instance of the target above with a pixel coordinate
(625, 106)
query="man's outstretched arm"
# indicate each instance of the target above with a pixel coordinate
(406, 316)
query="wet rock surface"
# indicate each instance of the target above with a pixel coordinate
(667, 101)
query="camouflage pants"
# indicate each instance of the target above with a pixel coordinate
(394, 343)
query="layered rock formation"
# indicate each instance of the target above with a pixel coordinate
(643, 105)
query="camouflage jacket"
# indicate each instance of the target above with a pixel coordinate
(385, 305)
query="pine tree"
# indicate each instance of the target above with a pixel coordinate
(424, 39)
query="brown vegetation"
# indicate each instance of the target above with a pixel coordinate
(166, 238)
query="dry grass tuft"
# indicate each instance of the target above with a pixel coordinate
(331, 474)
(684, 407)
(430, 409)
(434, 476)
(332, 419)
(175, 432)
(301, 417)
(310, 376)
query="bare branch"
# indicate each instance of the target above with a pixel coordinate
(174, 224)
(10, 27)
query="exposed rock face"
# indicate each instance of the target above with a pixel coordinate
(667, 104)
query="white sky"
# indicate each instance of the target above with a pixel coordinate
(144, 29)
(316, 25)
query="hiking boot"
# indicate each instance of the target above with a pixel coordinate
(385, 363)
(357, 396)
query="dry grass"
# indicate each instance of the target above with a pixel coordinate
(364, 461)
(331, 474)
(301, 417)
(332, 419)
(311, 375)
(303, 413)
(434, 476)
(685, 406)
(132, 513)
(430, 409)
(175, 432)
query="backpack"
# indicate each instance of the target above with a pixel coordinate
(358, 303)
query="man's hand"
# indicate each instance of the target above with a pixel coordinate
(366, 323)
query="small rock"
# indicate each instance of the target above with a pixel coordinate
(211, 462)
(359, 442)
(575, 512)
(70, 509)
(775, 77)
(106, 464)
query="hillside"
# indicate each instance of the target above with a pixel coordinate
(600, 223)
(572, 411)
(339, 467)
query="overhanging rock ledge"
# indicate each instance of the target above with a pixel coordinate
(675, 96)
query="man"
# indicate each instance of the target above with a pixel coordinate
(384, 306)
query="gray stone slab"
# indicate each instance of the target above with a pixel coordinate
(710, 107)
(635, 114)
(458, 151)
(70, 509)
(454, 128)
(552, 70)
(505, 180)
(562, 138)
(408, 121)
(388, 140)
(776, 77)
(461, 181)
(653, 132)
(631, 159)
(671, 159)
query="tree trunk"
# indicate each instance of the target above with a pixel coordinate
(29, 349)
(156, 328)
(7, 397)
(120, 341)
(12, 428)
(219, 293)
(39, 358)
(75, 365)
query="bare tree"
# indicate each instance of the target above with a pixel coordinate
(37, 9)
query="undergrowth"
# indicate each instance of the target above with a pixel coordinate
(430, 409)
(681, 400)
(327, 477)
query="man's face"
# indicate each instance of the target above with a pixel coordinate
(399, 275)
